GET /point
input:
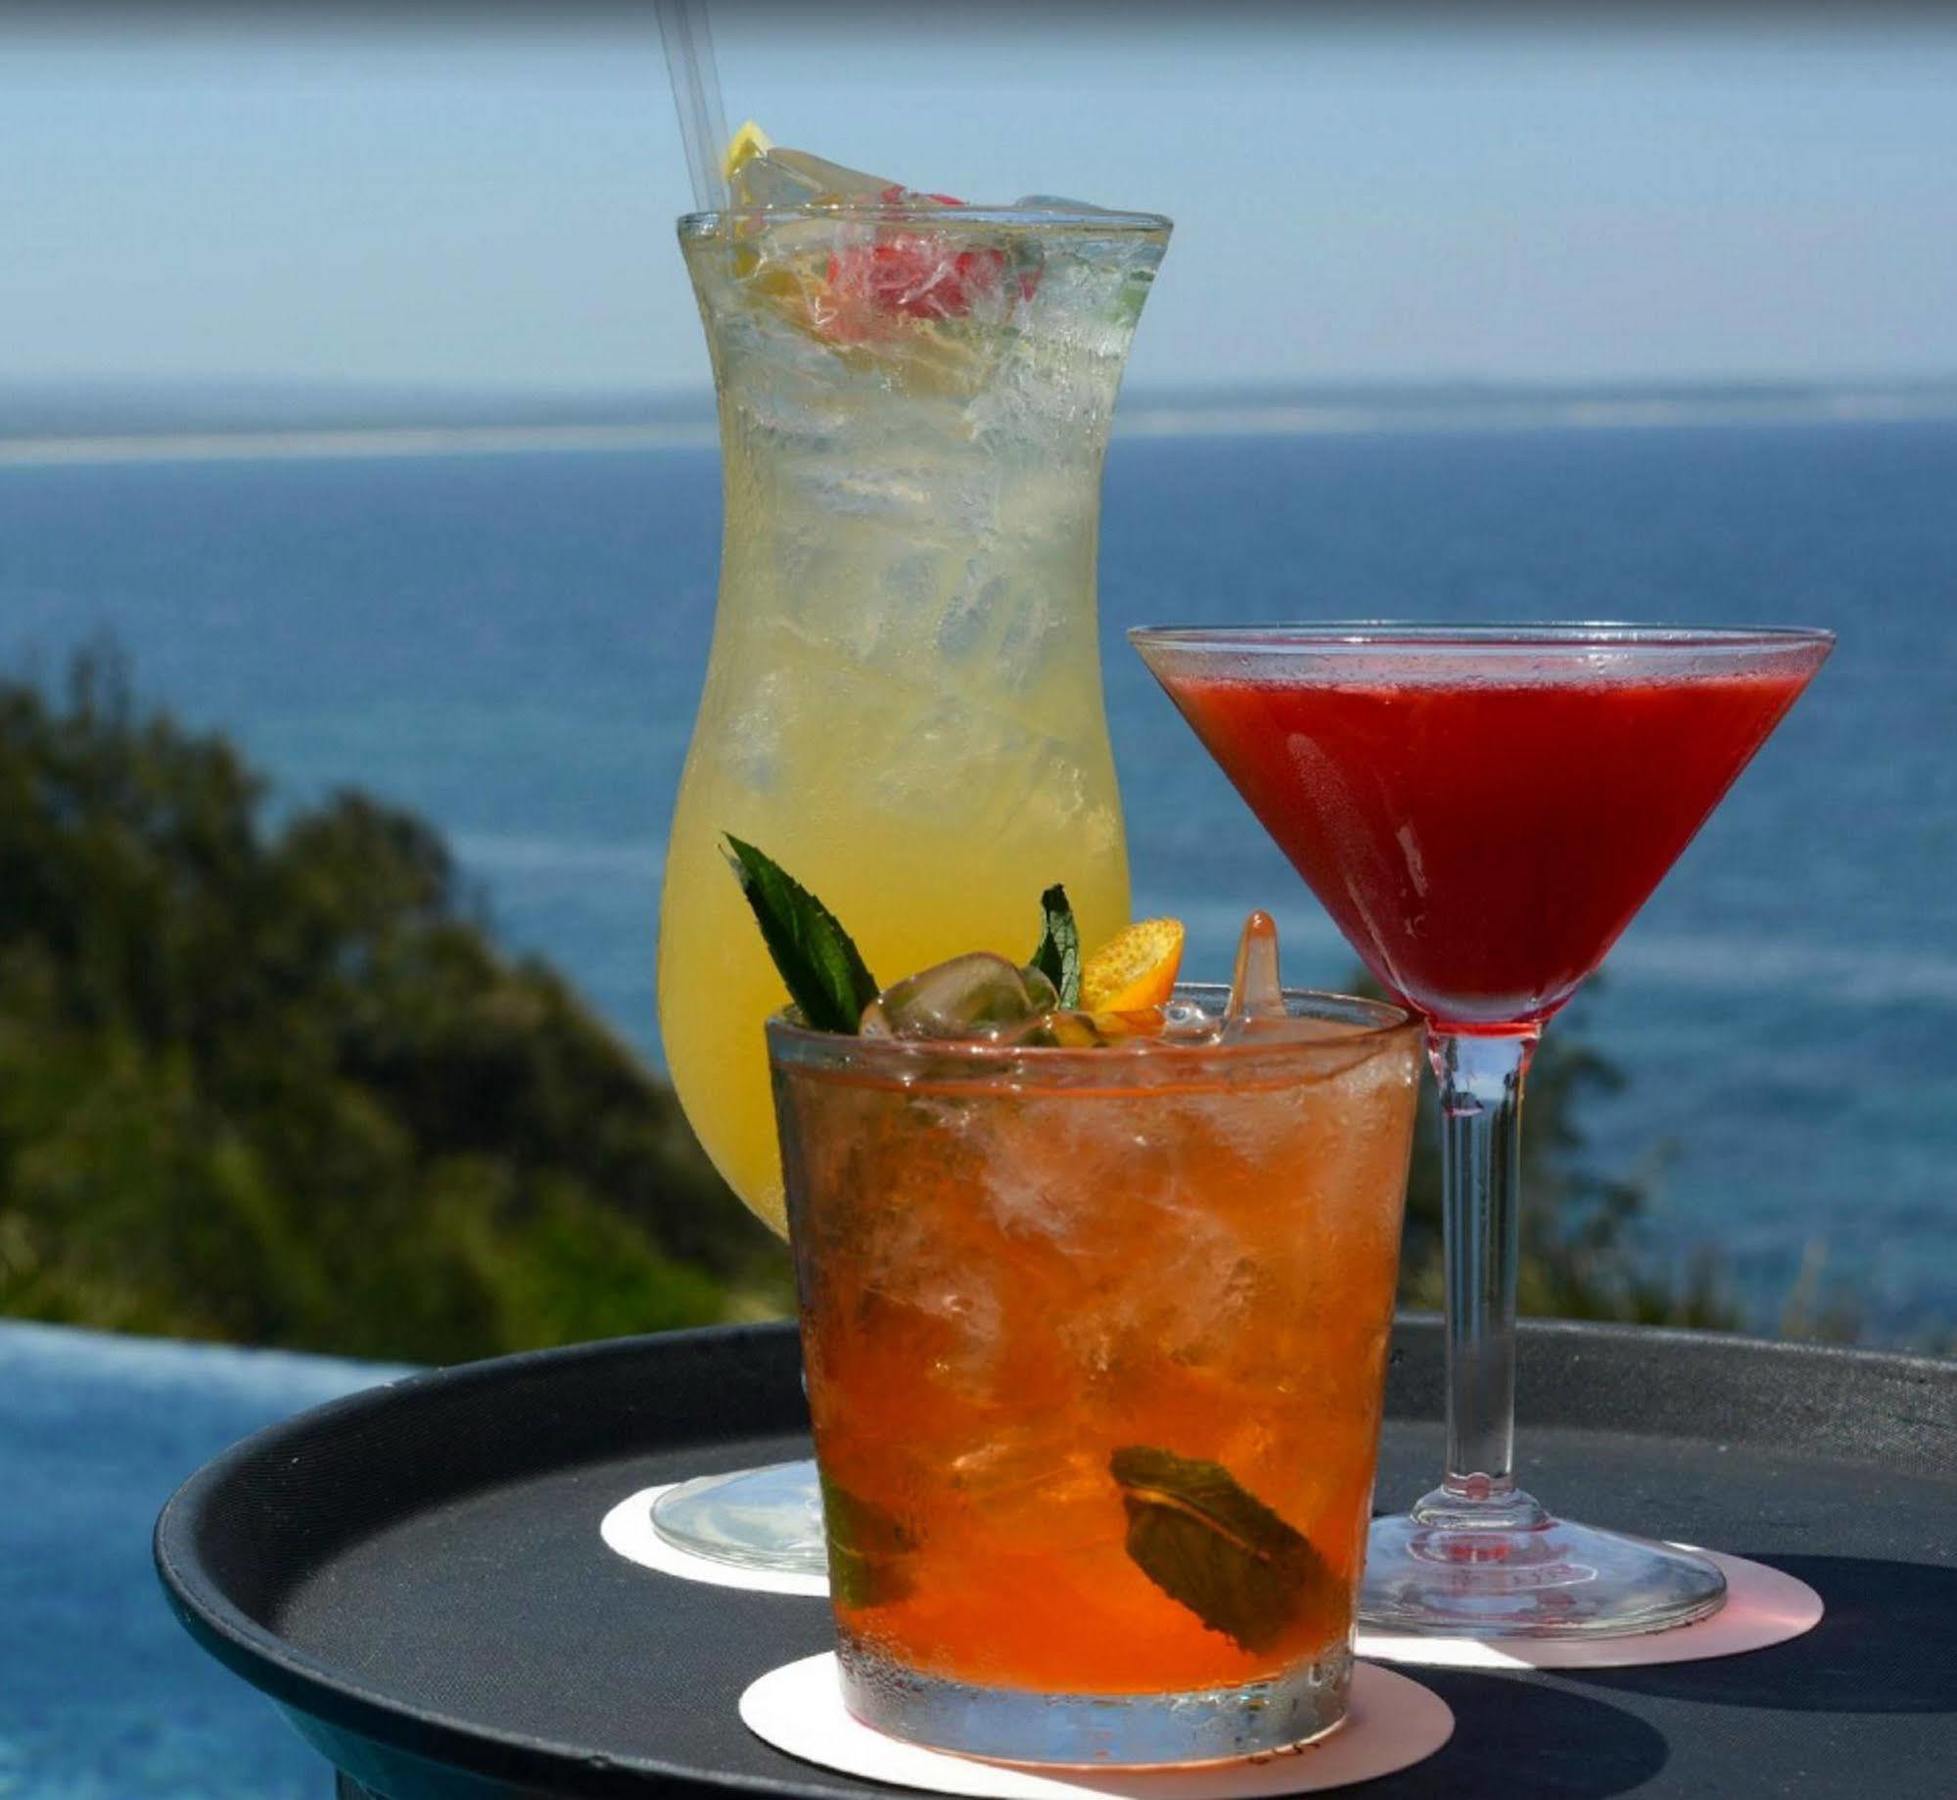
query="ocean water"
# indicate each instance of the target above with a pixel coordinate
(513, 644)
(114, 1701)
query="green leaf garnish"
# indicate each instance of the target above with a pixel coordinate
(821, 967)
(1058, 957)
(1216, 1548)
(867, 1547)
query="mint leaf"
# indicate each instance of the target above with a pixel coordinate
(866, 1549)
(1058, 957)
(1216, 1548)
(820, 966)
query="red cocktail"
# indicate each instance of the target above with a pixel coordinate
(1483, 838)
(1482, 810)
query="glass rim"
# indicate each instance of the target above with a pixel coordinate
(1372, 1024)
(1056, 219)
(1574, 634)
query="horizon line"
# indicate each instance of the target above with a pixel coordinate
(1511, 410)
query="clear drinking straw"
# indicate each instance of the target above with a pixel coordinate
(696, 97)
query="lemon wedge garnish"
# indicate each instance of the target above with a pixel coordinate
(743, 147)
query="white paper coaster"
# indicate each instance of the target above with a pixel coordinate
(1392, 1724)
(628, 1529)
(1763, 1606)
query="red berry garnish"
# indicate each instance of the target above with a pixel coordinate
(912, 275)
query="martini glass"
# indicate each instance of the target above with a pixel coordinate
(1482, 809)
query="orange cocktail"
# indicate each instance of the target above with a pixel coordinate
(1096, 1343)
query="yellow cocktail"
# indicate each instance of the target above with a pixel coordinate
(903, 702)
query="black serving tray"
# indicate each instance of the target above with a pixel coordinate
(415, 1574)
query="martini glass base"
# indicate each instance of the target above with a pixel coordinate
(1457, 1568)
(768, 1519)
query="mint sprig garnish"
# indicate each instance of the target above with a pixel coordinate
(1216, 1548)
(818, 961)
(1058, 957)
(867, 1547)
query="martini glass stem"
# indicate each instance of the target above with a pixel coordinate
(1481, 1079)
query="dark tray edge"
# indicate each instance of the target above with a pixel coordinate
(341, 1704)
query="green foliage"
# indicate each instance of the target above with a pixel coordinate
(1577, 1258)
(279, 1087)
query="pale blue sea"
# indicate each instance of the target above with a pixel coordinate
(513, 644)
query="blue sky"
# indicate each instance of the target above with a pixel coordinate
(484, 209)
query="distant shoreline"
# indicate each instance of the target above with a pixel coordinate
(47, 433)
(357, 445)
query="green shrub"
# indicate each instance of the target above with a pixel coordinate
(277, 1086)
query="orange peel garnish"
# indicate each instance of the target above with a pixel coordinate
(1135, 969)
